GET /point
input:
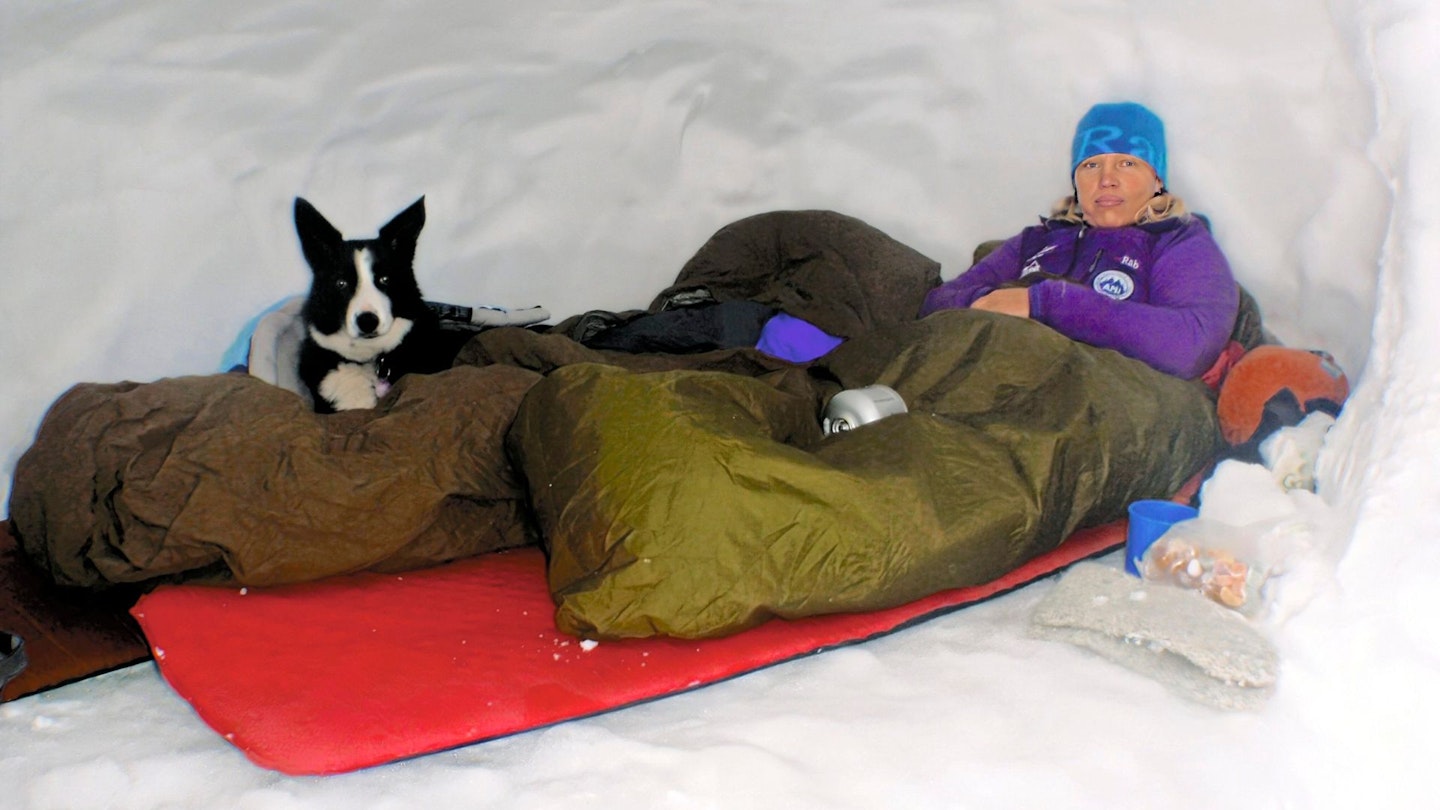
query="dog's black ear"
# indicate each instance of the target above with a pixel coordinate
(309, 222)
(319, 240)
(404, 229)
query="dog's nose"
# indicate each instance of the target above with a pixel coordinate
(366, 323)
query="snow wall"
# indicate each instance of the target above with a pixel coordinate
(574, 155)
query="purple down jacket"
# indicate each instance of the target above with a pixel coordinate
(1161, 293)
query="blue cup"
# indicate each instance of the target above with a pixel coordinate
(1149, 520)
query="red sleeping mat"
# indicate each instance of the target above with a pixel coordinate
(361, 670)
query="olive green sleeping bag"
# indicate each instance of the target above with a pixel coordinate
(694, 503)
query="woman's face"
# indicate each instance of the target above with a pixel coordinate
(1113, 188)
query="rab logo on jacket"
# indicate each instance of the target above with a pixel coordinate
(1114, 284)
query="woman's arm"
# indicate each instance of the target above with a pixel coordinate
(1180, 329)
(1002, 265)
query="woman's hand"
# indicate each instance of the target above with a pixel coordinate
(1010, 301)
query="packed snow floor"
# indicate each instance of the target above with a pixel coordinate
(961, 711)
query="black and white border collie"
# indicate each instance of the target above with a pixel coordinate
(366, 323)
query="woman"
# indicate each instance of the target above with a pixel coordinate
(1119, 264)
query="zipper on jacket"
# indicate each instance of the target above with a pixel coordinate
(1074, 254)
(1094, 264)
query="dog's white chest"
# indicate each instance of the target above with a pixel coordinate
(352, 386)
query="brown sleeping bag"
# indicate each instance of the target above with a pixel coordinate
(229, 477)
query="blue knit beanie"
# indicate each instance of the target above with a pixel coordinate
(1126, 128)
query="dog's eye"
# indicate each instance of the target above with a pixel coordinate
(382, 280)
(341, 284)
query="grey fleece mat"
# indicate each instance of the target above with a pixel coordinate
(1178, 637)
